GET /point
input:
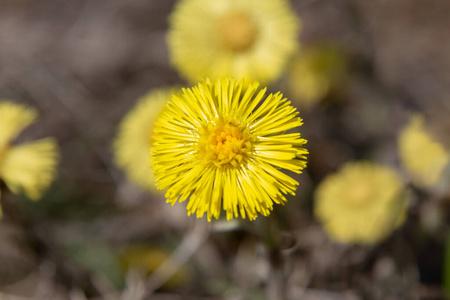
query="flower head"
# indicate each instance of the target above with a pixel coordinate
(362, 203)
(315, 72)
(223, 144)
(421, 155)
(28, 168)
(134, 137)
(241, 38)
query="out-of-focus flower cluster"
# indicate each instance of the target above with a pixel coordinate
(217, 147)
(231, 146)
(222, 144)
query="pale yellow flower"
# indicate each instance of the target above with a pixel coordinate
(251, 39)
(146, 259)
(422, 156)
(315, 72)
(223, 145)
(362, 203)
(28, 168)
(132, 143)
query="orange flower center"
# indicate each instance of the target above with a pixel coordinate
(225, 144)
(360, 193)
(237, 32)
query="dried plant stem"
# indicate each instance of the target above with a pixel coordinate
(276, 282)
(276, 285)
(190, 244)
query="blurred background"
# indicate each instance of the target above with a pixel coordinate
(95, 235)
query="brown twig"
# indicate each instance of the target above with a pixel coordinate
(190, 244)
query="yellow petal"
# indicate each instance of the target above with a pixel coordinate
(13, 119)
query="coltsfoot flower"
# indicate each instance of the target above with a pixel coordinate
(131, 145)
(28, 168)
(316, 72)
(422, 156)
(362, 203)
(251, 39)
(223, 145)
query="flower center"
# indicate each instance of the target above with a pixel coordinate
(237, 31)
(224, 144)
(360, 193)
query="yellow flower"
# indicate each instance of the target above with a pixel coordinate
(223, 144)
(131, 145)
(362, 203)
(28, 168)
(315, 72)
(146, 259)
(251, 39)
(423, 157)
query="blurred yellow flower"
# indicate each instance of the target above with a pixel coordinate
(146, 259)
(28, 168)
(362, 203)
(315, 72)
(223, 144)
(131, 145)
(251, 39)
(423, 157)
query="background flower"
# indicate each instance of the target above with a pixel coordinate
(133, 140)
(422, 156)
(315, 72)
(223, 144)
(361, 203)
(28, 168)
(146, 259)
(240, 38)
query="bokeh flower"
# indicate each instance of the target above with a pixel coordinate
(362, 203)
(146, 259)
(131, 145)
(28, 168)
(315, 72)
(251, 39)
(222, 144)
(422, 156)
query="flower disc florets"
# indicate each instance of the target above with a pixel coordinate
(237, 31)
(224, 143)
